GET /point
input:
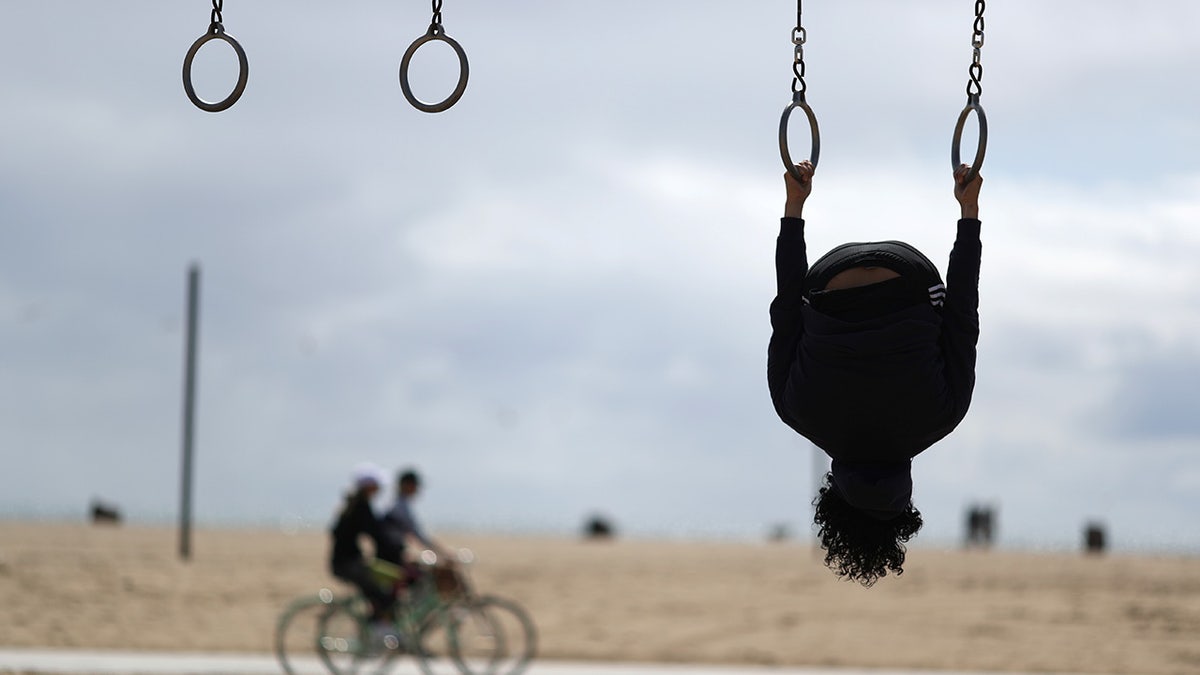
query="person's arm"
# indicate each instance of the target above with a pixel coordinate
(418, 533)
(960, 314)
(407, 523)
(791, 266)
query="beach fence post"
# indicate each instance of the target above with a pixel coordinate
(189, 410)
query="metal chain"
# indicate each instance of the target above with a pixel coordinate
(215, 21)
(435, 25)
(799, 37)
(974, 88)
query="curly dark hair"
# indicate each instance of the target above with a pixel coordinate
(858, 547)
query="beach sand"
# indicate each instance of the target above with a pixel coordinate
(124, 587)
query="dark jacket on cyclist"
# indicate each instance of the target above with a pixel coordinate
(347, 561)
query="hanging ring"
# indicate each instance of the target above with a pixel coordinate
(784, 152)
(981, 149)
(435, 33)
(216, 32)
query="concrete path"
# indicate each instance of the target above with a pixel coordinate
(78, 662)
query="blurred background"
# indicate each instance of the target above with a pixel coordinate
(552, 299)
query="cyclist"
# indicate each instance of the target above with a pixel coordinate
(400, 523)
(357, 519)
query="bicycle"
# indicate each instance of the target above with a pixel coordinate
(440, 620)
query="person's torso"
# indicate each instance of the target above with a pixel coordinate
(874, 390)
(356, 520)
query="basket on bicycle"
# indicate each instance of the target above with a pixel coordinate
(445, 578)
(448, 581)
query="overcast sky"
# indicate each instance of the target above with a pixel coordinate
(552, 298)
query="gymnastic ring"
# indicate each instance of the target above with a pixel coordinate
(980, 150)
(216, 33)
(784, 152)
(463, 71)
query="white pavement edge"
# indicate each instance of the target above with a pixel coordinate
(163, 663)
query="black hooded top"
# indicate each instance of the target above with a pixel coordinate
(356, 519)
(873, 389)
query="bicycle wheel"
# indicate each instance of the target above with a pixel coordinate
(297, 633)
(492, 636)
(343, 643)
(433, 640)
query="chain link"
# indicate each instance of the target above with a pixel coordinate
(799, 37)
(435, 25)
(215, 20)
(974, 88)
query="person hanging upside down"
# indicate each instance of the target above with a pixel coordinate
(872, 358)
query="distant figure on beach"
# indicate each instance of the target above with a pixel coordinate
(872, 358)
(980, 526)
(400, 524)
(347, 562)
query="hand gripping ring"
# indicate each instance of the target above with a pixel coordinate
(981, 150)
(216, 33)
(463, 71)
(784, 153)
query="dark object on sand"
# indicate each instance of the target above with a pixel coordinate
(598, 527)
(105, 514)
(779, 533)
(981, 527)
(1094, 539)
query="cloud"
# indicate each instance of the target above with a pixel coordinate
(1157, 398)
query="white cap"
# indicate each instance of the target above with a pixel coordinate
(367, 473)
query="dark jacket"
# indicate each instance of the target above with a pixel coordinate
(882, 389)
(356, 519)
